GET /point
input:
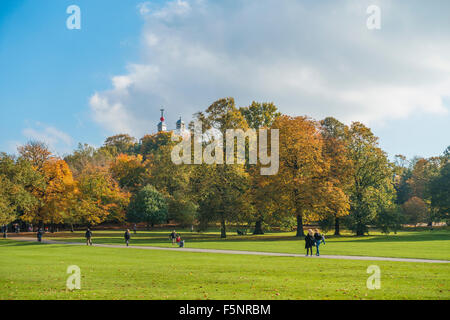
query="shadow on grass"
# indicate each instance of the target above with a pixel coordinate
(12, 243)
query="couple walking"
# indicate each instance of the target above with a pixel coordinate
(88, 236)
(313, 239)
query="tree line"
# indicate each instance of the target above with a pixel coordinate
(329, 173)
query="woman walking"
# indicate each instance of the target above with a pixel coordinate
(309, 242)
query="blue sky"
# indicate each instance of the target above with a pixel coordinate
(130, 57)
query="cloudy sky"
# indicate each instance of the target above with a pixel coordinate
(315, 58)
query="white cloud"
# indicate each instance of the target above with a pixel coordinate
(314, 58)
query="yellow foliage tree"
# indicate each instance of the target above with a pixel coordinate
(55, 194)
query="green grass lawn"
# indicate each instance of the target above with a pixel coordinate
(423, 244)
(38, 271)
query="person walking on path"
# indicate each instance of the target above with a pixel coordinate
(88, 236)
(318, 239)
(127, 236)
(5, 231)
(173, 237)
(309, 242)
(39, 234)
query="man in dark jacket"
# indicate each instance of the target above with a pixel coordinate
(173, 237)
(309, 242)
(318, 239)
(127, 236)
(39, 235)
(88, 236)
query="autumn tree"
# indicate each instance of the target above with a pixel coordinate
(54, 195)
(130, 171)
(36, 152)
(340, 168)
(98, 198)
(301, 186)
(259, 116)
(150, 144)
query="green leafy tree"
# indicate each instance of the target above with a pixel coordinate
(440, 193)
(219, 188)
(389, 219)
(149, 206)
(17, 181)
(86, 157)
(260, 115)
(121, 144)
(372, 176)
(182, 210)
(415, 210)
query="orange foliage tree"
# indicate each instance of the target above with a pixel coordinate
(54, 195)
(303, 186)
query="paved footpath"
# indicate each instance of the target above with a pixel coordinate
(256, 253)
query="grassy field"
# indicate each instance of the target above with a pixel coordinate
(38, 271)
(423, 244)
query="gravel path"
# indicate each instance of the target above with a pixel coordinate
(257, 253)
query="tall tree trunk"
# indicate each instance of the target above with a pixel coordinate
(258, 226)
(336, 227)
(300, 232)
(223, 230)
(360, 230)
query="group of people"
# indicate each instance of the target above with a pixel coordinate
(313, 239)
(88, 235)
(176, 238)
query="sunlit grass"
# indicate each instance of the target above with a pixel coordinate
(38, 271)
(425, 244)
